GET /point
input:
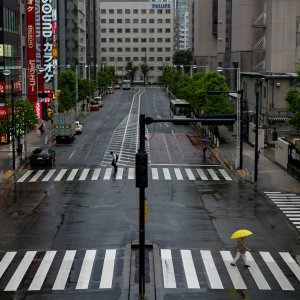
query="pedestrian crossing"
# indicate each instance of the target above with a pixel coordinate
(289, 204)
(107, 173)
(103, 269)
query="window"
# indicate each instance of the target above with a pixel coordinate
(135, 59)
(168, 11)
(135, 21)
(144, 21)
(111, 30)
(144, 40)
(159, 58)
(119, 11)
(143, 49)
(111, 21)
(135, 40)
(168, 49)
(103, 21)
(151, 40)
(120, 40)
(159, 21)
(111, 49)
(151, 30)
(103, 40)
(159, 49)
(111, 11)
(151, 58)
(120, 59)
(127, 21)
(151, 49)
(159, 11)
(135, 30)
(103, 30)
(103, 11)
(111, 40)
(159, 40)
(159, 30)
(168, 30)
(103, 49)
(144, 11)
(111, 59)
(127, 30)
(127, 49)
(119, 49)
(135, 11)
(104, 58)
(168, 21)
(144, 30)
(135, 49)
(127, 58)
(151, 11)
(127, 40)
(168, 40)
(151, 68)
(119, 21)
(151, 21)
(120, 30)
(127, 11)
(168, 58)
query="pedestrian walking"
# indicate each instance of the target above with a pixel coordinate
(20, 150)
(204, 150)
(241, 251)
(114, 161)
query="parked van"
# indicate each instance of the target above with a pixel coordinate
(99, 99)
(110, 90)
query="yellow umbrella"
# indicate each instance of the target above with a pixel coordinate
(241, 233)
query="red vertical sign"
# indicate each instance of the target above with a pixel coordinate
(31, 51)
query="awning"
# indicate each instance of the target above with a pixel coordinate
(278, 118)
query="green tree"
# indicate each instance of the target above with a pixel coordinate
(67, 86)
(183, 57)
(145, 70)
(293, 100)
(130, 70)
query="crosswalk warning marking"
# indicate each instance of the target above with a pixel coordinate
(24, 177)
(20, 272)
(276, 271)
(107, 174)
(225, 175)
(108, 269)
(60, 175)
(64, 270)
(6, 260)
(178, 174)
(257, 275)
(189, 269)
(120, 173)
(42, 271)
(167, 174)
(96, 174)
(86, 270)
(202, 174)
(131, 172)
(213, 174)
(49, 175)
(211, 270)
(72, 174)
(233, 272)
(291, 263)
(37, 176)
(154, 173)
(189, 174)
(168, 269)
(84, 174)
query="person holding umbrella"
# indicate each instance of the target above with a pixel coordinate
(241, 246)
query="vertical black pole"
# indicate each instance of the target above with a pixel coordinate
(241, 127)
(256, 134)
(142, 217)
(13, 124)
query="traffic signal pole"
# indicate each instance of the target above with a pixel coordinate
(141, 177)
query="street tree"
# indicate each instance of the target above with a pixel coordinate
(184, 58)
(145, 70)
(130, 70)
(293, 100)
(67, 97)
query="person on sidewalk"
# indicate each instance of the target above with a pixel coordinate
(114, 160)
(241, 250)
(204, 150)
(20, 150)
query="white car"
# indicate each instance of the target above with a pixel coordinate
(78, 127)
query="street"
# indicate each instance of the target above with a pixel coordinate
(71, 231)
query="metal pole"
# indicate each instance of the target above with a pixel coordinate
(256, 133)
(76, 85)
(241, 127)
(142, 217)
(238, 117)
(13, 124)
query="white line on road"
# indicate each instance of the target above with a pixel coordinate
(6, 260)
(107, 174)
(108, 269)
(189, 269)
(131, 174)
(24, 177)
(190, 174)
(36, 176)
(202, 174)
(72, 175)
(96, 174)
(168, 269)
(166, 174)
(72, 154)
(154, 173)
(60, 175)
(84, 174)
(178, 174)
(291, 263)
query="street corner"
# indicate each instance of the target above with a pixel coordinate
(6, 175)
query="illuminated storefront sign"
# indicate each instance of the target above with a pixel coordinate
(31, 50)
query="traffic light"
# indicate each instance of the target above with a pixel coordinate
(227, 119)
(141, 170)
(45, 95)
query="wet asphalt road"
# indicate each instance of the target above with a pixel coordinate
(84, 221)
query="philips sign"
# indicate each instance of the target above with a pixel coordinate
(161, 5)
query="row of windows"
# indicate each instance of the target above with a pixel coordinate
(135, 49)
(135, 30)
(142, 59)
(135, 11)
(135, 40)
(135, 21)
(10, 20)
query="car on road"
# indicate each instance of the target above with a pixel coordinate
(78, 127)
(94, 105)
(42, 156)
(117, 86)
(99, 99)
(110, 90)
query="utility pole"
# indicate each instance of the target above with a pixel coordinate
(256, 153)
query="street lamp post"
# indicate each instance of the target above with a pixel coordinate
(239, 114)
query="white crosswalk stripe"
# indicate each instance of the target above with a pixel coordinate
(107, 173)
(289, 204)
(179, 269)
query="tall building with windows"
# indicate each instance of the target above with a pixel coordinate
(137, 31)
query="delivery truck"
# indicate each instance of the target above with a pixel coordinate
(64, 128)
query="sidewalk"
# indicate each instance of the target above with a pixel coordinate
(271, 176)
(34, 139)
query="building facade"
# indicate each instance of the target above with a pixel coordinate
(141, 32)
